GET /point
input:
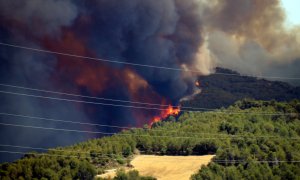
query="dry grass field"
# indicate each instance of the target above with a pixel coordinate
(165, 167)
(169, 167)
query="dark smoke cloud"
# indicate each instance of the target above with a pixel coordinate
(21, 22)
(30, 69)
(245, 35)
(161, 33)
(42, 17)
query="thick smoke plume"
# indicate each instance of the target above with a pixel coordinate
(250, 36)
(199, 35)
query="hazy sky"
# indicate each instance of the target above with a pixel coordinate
(292, 11)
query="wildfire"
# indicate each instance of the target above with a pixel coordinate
(170, 111)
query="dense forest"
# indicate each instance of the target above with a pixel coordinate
(220, 90)
(251, 140)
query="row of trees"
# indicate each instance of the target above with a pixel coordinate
(46, 167)
(259, 132)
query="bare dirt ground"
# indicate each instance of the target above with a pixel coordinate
(166, 167)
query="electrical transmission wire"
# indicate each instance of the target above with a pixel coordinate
(124, 127)
(98, 98)
(131, 64)
(67, 151)
(140, 135)
(81, 101)
(56, 129)
(143, 107)
(118, 105)
(216, 161)
(57, 150)
(39, 154)
(109, 155)
(255, 161)
(182, 108)
(65, 121)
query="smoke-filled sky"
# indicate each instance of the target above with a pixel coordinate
(249, 36)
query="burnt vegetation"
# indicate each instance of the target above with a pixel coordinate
(239, 141)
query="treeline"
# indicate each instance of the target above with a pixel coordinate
(47, 167)
(222, 91)
(241, 135)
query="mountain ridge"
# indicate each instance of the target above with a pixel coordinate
(218, 90)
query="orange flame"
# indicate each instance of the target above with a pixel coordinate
(170, 111)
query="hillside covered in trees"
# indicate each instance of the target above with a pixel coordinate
(221, 90)
(251, 140)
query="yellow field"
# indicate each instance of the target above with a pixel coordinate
(169, 167)
(165, 167)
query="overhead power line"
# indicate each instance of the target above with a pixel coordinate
(56, 150)
(93, 97)
(65, 121)
(131, 64)
(56, 129)
(216, 161)
(66, 151)
(255, 161)
(81, 101)
(143, 107)
(39, 154)
(138, 135)
(124, 127)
